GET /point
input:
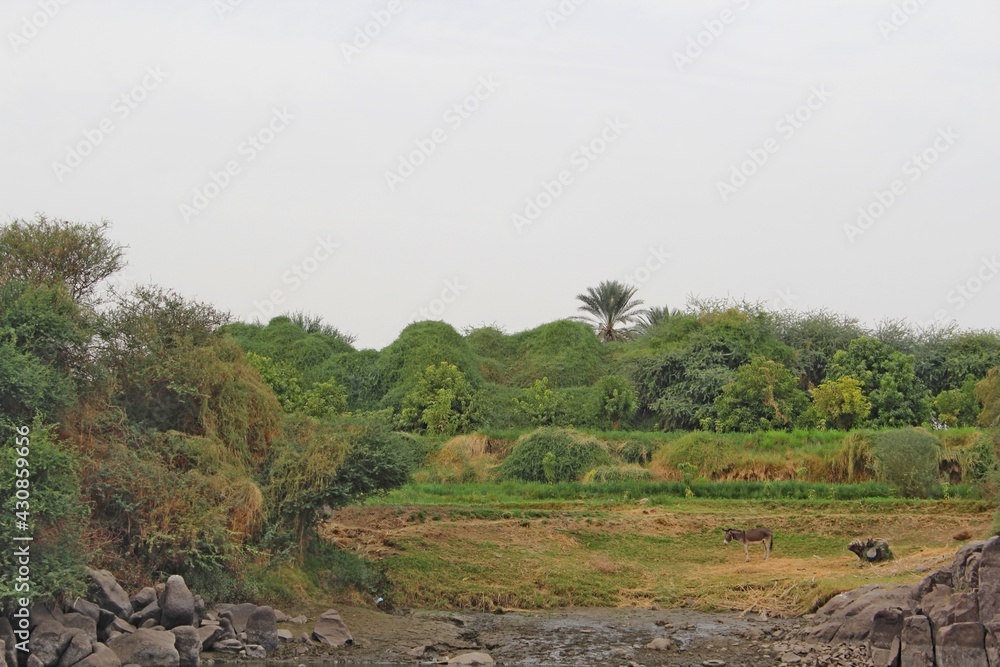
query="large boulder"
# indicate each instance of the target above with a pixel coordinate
(101, 657)
(85, 623)
(989, 580)
(143, 598)
(965, 567)
(331, 630)
(148, 648)
(176, 603)
(887, 629)
(262, 629)
(7, 636)
(917, 647)
(79, 647)
(848, 617)
(239, 614)
(108, 594)
(150, 611)
(48, 641)
(209, 634)
(962, 645)
(188, 644)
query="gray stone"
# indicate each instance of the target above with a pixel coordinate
(239, 614)
(150, 624)
(34, 661)
(262, 629)
(962, 645)
(79, 647)
(150, 611)
(48, 641)
(209, 634)
(887, 627)
(101, 657)
(848, 617)
(299, 620)
(188, 644)
(228, 631)
(176, 603)
(88, 609)
(41, 613)
(255, 652)
(228, 646)
(199, 608)
(281, 617)
(143, 598)
(116, 627)
(10, 641)
(474, 658)
(660, 644)
(917, 647)
(993, 643)
(937, 578)
(149, 648)
(285, 635)
(330, 630)
(965, 565)
(108, 594)
(989, 580)
(85, 623)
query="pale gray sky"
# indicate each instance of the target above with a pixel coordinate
(833, 98)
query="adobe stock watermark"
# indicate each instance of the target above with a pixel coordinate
(713, 29)
(223, 8)
(21, 547)
(967, 290)
(294, 277)
(656, 259)
(901, 14)
(784, 299)
(121, 108)
(582, 158)
(562, 12)
(437, 307)
(365, 34)
(247, 151)
(786, 127)
(454, 117)
(914, 168)
(32, 25)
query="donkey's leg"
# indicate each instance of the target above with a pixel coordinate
(767, 548)
(746, 548)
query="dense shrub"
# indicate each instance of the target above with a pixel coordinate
(570, 455)
(907, 460)
(620, 473)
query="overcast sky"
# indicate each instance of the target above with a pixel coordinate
(257, 152)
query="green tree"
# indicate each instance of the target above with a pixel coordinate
(957, 407)
(321, 400)
(617, 398)
(441, 401)
(763, 396)
(841, 402)
(612, 309)
(888, 380)
(50, 252)
(988, 395)
(539, 403)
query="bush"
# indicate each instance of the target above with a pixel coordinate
(908, 461)
(572, 455)
(626, 473)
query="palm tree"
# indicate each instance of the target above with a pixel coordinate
(652, 317)
(610, 305)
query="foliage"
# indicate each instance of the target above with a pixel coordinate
(617, 400)
(52, 252)
(888, 380)
(957, 407)
(618, 473)
(841, 402)
(572, 454)
(565, 352)
(323, 399)
(539, 403)
(52, 510)
(907, 459)
(612, 308)
(402, 364)
(988, 395)
(763, 396)
(441, 402)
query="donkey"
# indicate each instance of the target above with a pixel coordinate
(745, 537)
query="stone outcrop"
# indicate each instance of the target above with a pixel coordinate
(330, 630)
(950, 619)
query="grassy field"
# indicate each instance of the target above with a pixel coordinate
(529, 546)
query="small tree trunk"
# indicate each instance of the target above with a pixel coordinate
(615, 423)
(872, 550)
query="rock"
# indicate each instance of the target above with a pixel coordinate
(285, 635)
(41, 613)
(228, 632)
(262, 629)
(48, 641)
(474, 658)
(660, 644)
(993, 643)
(887, 627)
(7, 637)
(143, 598)
(79, 647)
(87, 608)
(917, 647)
(85, 623)
(937, 578)
(417, 652)
(150, 624)
(117, 626)
(255, 652)
(105, 591)
(281, 617)
(228, 646)
(848, 617)
(34, 661)
(150, 611)
(299, 620)
(239, 614)
(330, 630)
(305, 639)
(176, 603)
(989, 580)
(209, 634)
(965, 566)
(101, 657)
(962, 645)
(199, 608)
(149, 648)
(790, 659)
(187, 641)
